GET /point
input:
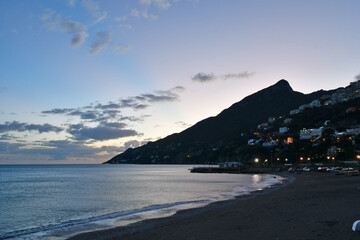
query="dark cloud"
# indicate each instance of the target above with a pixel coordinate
(105, 131)
(110, 105)
(58, 111)
(357, 77)
(7, 137)
(205, 77)
(140, 106)
(101, 113)
(21, 127)
(88, 115)
(57, 150)
(132, 144)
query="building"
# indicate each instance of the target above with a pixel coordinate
(295, 111)
(271, 120)
(287, 120)
(310, 133)
(289, 140)
(315, 103)
(283, 130)
(272, 143)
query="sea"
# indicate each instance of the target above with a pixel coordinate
(59, 201)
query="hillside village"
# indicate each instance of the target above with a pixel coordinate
(330, 141)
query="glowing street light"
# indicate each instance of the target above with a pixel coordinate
(256, 160)
(308, 159)
(301, 158)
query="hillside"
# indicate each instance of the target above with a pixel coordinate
(199, 143)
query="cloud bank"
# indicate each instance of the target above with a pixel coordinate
(22, 127)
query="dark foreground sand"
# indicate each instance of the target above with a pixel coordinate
(313, 206)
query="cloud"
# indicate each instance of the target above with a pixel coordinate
(22, 127)
(77, 30)
(357, 77)
(101, 40)
(205, 77)
(71, 3)
(121, 48)
(111, 111)
(6, 137)
(164, 4)
(104, 131)
(182, 124)
(58, 111)
(56, 22)
(94, 9)
(244, 74)
(57, 150)
(132, 144)
(135, 13)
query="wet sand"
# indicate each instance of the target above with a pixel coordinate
(310, 206)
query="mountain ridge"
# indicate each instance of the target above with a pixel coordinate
(194, 144)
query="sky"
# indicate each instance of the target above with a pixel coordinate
(83, 80)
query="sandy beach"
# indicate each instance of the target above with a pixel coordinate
(309, 206)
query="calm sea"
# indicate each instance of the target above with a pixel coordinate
(58, 201)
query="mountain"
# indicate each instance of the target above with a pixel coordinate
(198, 144)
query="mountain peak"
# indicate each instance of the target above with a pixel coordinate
(282, 85)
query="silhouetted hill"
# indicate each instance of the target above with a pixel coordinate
(197, 143)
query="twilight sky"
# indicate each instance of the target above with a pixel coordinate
(82, 80)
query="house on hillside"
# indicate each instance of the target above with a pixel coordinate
(315, 103)
(287, 120)
(271, 120)
(310, 133)
(295, 111)
(283, 130)
(271, 143)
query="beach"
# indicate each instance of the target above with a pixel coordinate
(309, 206)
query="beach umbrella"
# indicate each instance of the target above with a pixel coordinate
(356, 226)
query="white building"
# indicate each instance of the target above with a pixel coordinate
(283, 130)
(310, 133)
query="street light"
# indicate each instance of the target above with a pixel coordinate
(256, 160)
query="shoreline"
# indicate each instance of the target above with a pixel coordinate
(307, 206)
(118, 232)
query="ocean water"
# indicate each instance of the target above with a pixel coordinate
(58, 201)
